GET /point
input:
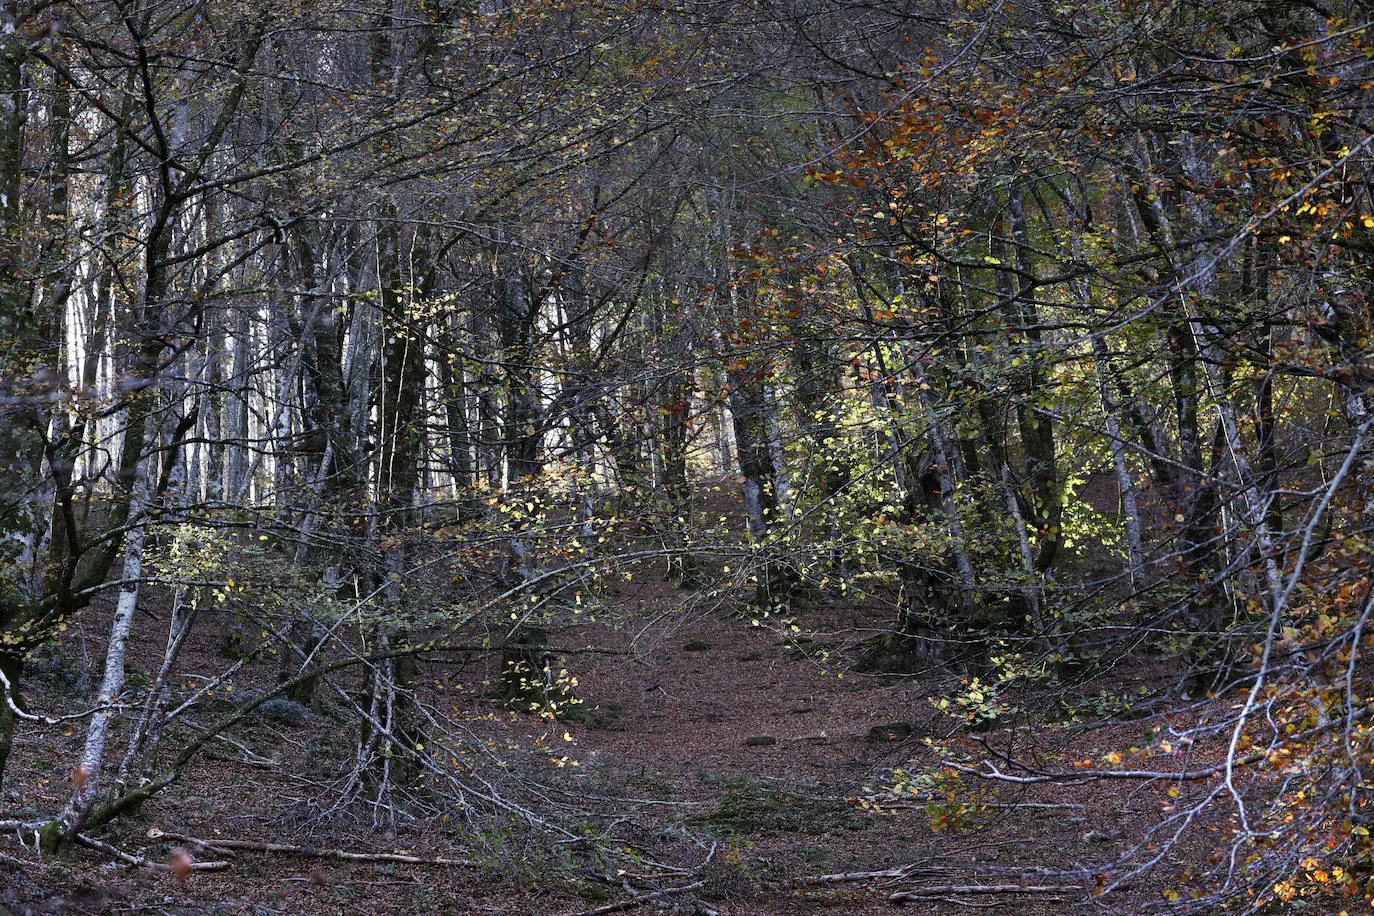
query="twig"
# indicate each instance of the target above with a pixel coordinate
(307, 851)
(202, 691)
(638, 899)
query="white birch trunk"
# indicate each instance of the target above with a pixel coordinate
(725, 440)
(236, 423)
(149, 727)
(782, 483)
(112, 683)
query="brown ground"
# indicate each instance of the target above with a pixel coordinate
(670, 771)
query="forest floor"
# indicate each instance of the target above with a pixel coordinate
(725, 757)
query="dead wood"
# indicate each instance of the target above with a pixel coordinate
(901, 871)
(621, 905)
(223, 845)
(141, 861)
(952, 890)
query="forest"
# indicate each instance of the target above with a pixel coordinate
(696, 456)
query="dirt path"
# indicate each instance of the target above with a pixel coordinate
(716, 742)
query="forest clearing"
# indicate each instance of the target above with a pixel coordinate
(763, 457)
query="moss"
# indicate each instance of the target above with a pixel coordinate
(51, 837)
(283, 711)
(750, 806)
(590, 891)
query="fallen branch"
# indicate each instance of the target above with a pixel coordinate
(638, 899)
(307, 851)
(7, 689)
(925, 893)
(140, 861)
(1185, 775)
(226, 758)
(904, 806)
(1092, 775)
(148, 788)
(902, 871)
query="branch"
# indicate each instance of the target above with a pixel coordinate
(140, 861)
(8, 690)
(308, 851)
(925, 893)
(901, 871)
(639, 899)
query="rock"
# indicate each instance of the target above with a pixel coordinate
(1098, 836)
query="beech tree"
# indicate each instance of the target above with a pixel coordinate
(389, 330)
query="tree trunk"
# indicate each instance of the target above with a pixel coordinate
(1046, 507)
(93, 755)
(453, 382)
(24, 379)
(1135, 551)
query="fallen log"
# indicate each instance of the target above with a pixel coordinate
(142, 862)
(902, 871)
(222, 845)
(954, 890)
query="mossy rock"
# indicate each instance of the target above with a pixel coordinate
(581, 714)
(283, 711)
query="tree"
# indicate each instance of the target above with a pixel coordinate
(394, 328)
